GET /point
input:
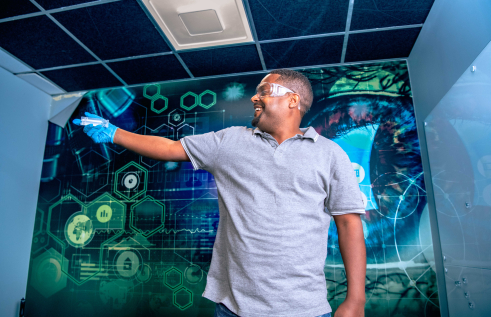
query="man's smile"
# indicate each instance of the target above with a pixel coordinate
(257, 109)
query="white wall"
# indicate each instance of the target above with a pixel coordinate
(24, 112)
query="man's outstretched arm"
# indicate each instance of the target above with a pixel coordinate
(153, 147)
(353, 251)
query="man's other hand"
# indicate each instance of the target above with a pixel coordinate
(351, 308)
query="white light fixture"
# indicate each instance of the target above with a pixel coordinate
(190, 24)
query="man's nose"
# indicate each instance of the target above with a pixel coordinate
(255, 98)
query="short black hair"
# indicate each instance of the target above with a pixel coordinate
(300, 84)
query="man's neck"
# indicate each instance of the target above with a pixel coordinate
(281, 135)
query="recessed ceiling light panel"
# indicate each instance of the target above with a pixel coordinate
(201, 22)
(192, 24)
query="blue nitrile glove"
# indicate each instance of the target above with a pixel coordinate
(98, 133)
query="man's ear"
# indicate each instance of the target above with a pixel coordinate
(294, 101)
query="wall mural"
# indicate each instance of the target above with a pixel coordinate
(117, 234)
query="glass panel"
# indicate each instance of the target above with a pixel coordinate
(458, 133)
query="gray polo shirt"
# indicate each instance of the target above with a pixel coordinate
(275, 204)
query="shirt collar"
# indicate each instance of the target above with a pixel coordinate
(308, 133)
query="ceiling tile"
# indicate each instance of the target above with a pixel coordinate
(10, 8)
(370, 14)
(114, 30)
(54, 4)
(40, 43)
(276, 19)
(381, 45)
(83, 78)
(219, 61)
(316, 51)
(152, 69)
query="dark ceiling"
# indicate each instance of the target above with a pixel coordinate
(83, 44)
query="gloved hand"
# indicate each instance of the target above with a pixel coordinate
(98, 133)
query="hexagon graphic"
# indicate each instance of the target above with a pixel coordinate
(59, 215)
(146, 92)
(188, 106)
(106, 212)
(49, 191)
(147, 216)
(183, 298)
(159, 104)
(185, 130)
(47, 275)
(177, 117)
(212, 103)
(130, 181)
(71, 226)
(173, 278)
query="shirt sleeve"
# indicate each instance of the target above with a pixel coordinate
(203, 149)
(344, 195)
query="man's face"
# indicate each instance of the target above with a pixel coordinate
(269, 111)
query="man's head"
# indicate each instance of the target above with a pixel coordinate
(274, 111)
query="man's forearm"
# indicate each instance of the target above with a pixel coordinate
(154, 147)
(353, 251)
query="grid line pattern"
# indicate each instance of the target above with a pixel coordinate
(104, 62)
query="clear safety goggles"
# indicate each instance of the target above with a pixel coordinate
(271, 90)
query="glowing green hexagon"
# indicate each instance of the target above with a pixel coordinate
(153, 96)
(66, 206)
(144, 217)
(62, 209)
(130, 181)
(47, 273)
(173, 278)
(166, 103)
(212, 103)
(183, 298)
(106, 212)
(196, 100)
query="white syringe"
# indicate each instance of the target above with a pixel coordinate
(94, 121)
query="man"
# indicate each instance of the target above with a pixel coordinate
(278, 186)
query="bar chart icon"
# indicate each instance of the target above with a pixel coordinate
(104, 213)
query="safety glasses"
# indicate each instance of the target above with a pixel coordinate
(271, 90)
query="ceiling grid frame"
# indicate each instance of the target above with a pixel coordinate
(256, 42)
(122, 59)
(209, 48)
(377, 61)
(389, 28)
(62, 9)
(79, 42)
(34, 71)
(254, 33)
(346, 31)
